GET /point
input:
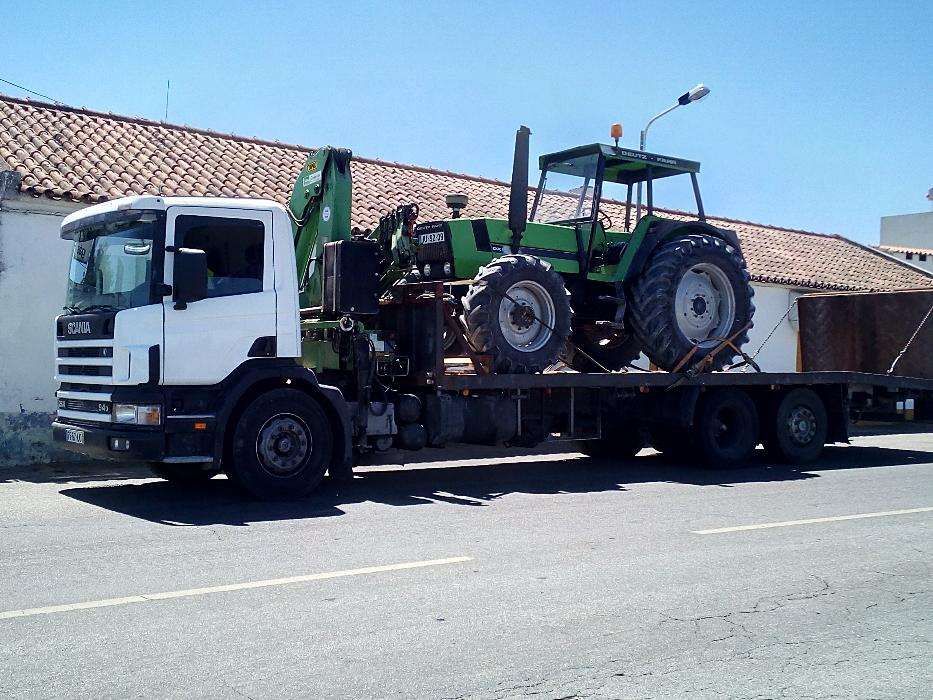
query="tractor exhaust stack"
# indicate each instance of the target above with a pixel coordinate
(518, 197)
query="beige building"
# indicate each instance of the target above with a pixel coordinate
(54, 160)
(909, 237)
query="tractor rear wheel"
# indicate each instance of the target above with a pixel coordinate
(693, 293)
(518, 311)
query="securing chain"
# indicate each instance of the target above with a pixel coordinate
(910, 342)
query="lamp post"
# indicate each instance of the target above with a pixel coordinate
(694, 95)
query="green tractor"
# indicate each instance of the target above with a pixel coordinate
(567, 283)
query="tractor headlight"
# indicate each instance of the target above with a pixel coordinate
(448, 269)
(133, 414)
(427, 270)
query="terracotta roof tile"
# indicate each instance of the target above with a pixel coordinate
(87, 156)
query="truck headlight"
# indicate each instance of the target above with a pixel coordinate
(132, 414)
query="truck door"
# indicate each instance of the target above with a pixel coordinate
(209, 339)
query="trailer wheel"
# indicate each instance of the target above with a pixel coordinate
(674, 444)
(183, 473)
(799, 427)
(282, 445)
(693, 293)
(623, 445)
(726, 428)
(518, 311)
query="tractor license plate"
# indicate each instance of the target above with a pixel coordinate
(432, 238)
(75, 436)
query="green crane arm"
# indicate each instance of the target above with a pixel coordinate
(320, 212)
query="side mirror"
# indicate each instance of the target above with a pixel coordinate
(189, 277)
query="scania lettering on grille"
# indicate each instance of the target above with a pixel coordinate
(79, 327)
(432, 238)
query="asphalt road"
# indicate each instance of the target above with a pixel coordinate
(493, 576)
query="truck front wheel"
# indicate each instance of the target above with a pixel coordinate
(282, 445)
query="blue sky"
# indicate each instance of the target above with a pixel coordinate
(819, 116)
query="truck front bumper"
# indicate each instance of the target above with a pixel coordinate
(110, 442)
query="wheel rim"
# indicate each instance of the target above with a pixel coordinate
(705, 305)
(801, 425)
(526, 316)
(283, 444)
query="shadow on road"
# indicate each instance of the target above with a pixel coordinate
(473, 483)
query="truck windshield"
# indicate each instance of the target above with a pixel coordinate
(111, 266)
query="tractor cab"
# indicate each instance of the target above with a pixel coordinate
(595, 165)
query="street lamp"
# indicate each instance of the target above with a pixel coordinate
(694, 95)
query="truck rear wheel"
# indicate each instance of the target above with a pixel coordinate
(282, 445)
(799, 427)
(726, 428)
(518, 311)
(694, 292)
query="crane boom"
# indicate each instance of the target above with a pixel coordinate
(320, 211)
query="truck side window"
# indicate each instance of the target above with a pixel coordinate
(234, 251)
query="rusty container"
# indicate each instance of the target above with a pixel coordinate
(865, 332)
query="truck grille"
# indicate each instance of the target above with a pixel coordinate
(84, 370)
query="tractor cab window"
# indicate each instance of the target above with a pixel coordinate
(234, 249)
(567, 190)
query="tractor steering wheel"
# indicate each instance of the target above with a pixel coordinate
(605, 220)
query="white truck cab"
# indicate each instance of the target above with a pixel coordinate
(175, 308)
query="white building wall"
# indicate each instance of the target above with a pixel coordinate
(33, 270)
(780, 352)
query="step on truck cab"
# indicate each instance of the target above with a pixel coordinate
(154, 364)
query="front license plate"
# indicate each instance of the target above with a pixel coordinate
(75, 436)
(432, 237)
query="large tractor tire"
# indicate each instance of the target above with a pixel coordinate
(518, 311)
(693, 292)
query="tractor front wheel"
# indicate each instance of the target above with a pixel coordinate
(693, 293)
(518, 311)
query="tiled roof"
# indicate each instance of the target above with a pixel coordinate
(82, 155)
(905, 249)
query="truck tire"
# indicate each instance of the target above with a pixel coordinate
(183, 473)
(623, 445)
(797, 430)
(282, 445)
(675, 444)
(694, 291)
(725, 428)
(518, 311)
(611, 351)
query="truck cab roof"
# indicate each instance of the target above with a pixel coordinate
(157, 203)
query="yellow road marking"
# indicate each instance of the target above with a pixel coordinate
(809, 521)
(191, 592)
